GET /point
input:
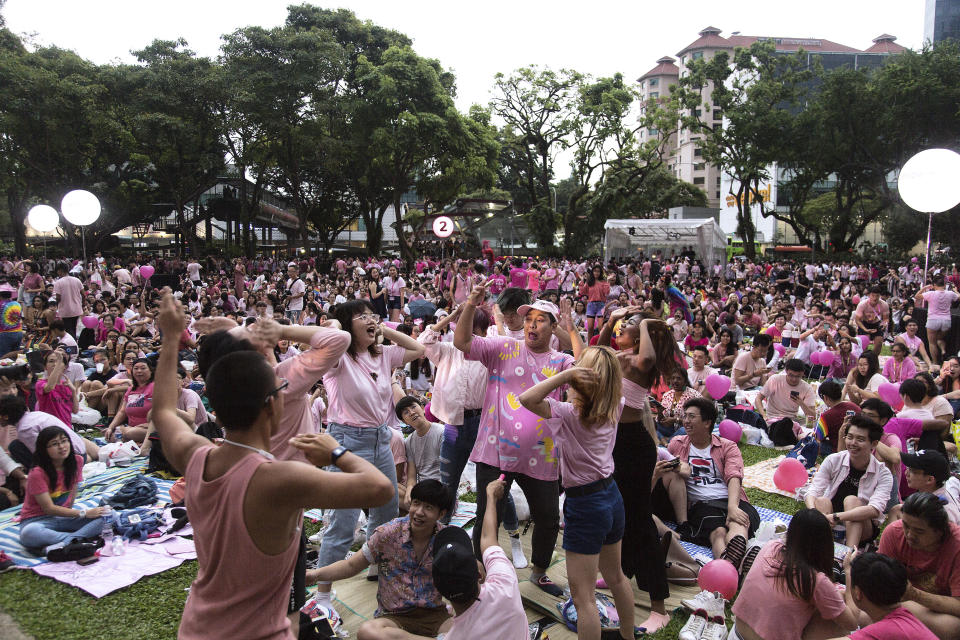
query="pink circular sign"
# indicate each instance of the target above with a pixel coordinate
(442, 227)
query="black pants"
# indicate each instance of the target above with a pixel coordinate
(70, 324)
(298, 589)
(543, 496)
(21, 454)
(641, 555)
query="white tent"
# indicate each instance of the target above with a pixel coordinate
(623, 238)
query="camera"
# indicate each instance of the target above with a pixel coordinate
(15, 371)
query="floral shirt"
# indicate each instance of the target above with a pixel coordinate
(406, 583)
(510, 437)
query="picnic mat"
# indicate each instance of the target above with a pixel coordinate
(705, 554)
(760, 476)
(89, 493)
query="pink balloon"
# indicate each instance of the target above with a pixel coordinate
(913, 260)
(719, 575)
(90, 322)
(717, 385)
(730, 430)
(825, 358)
(779, 348)
(146, 271)
(856, 299)
(890, 393)
(392, 325)
(790, 475)
(864, 342)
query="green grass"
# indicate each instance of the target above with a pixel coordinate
(151, 608)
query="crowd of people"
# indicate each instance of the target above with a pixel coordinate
(366, 387)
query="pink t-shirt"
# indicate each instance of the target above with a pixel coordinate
(498, 612)
(896, 625)
(38, 483)
(138, 403)
(783, 401)
(586, 454)
(770, 610)
(59, 402)
(903, 429)
(358, 388)
(938, 303)
(533, 280)
(510, 437)
(69, 292)
(518, 277)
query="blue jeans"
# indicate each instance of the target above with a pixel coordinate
(668, 432)
(43, 531)
(373, 445)
(10, 341)
(455, 451)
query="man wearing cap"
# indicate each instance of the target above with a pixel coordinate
(928, 471)
(296, 288)
(511, 440)
(487, 601)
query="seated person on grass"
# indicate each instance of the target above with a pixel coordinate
(131, 420)
(720, 515)
(785, 393)
(852, 488)
(875, 587)
(927, 471)
(928, 545)
(409, 605)
(13, 411)
(669, 499)
(750, 368)
(831, 392)
(485, 598)
(94, 388)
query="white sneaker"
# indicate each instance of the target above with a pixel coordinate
(695, 626)
(519, 558)
(716, 629)
(706, 600)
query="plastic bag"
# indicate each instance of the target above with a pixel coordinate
(119, 454)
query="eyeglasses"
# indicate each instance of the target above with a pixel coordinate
(59, 442)
(284, 383)
(375, 317)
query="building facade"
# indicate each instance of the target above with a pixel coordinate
(941, 20)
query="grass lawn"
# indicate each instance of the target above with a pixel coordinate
(151, 608)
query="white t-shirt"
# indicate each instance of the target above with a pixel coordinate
(296, 287)
(193, 270)
(705, 481)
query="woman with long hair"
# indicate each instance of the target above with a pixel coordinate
(585, 430)
(56, 394)
(378, 294)
(47, 519)
(865, 380)
(843, 359)
(647, 353)
(723, 354)
(788, 593)
(131, 419)
(596, 290)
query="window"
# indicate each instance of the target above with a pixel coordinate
(698, 55)
(653, 131)
(700, 166)
(698, 180)
(717, 114)
(698, 112)
(653, 82)
(654, 95)
(698, 153)
(717, 195)
(718, 181)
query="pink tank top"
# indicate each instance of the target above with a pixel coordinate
(634, 395)
(240, 592)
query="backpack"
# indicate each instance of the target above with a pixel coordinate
(781, 432)
(137, 523)
(806, 451)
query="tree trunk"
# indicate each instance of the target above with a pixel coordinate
(17, 217)
(745, 228)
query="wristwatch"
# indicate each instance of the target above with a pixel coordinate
(336, 453)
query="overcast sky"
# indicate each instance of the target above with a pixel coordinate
(477, 40)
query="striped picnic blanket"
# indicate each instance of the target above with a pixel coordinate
(706, 554)
(89, 494)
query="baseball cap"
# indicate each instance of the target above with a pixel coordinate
(455, 572)
(540, 305)
(930, 462)
(292, 265)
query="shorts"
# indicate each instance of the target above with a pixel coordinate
(593, 520)
(421, 622)
(938, 324)
(595, 308)
(707, 515)
(393, 302)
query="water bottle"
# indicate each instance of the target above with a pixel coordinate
(117, 547)
(117, 436)
(107, 532)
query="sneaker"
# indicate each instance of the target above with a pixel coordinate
(519, 558)
(695, 626)
(5, 563)
(716, 629)
(72, 551)
(706, 600)
(548, 586)
(685, 531)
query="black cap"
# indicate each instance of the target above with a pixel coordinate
(455, 572)
(931, 462)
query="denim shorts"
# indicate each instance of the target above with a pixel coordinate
(593, 520)
(595, 309)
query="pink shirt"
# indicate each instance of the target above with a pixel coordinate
(899, 371)
(302, 371)
(458, 384)
(358, 388)
(38, 483)
(498, 612)
(510, 437)
(240, 592)
(69, 292)
(938, 303)
(783, 401)
(586, 454)
(771, 610)
(897, 624)
(518, 277)
(58, 402)
(138, 403)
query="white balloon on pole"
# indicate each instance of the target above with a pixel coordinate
(43, 218)
(80, 207)
(442, 227)
(929, 182)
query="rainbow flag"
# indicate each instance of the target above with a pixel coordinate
(820, 431)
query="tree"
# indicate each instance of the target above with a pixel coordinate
(758, 91)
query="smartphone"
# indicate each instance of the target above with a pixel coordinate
(85, 561)
(674, 463)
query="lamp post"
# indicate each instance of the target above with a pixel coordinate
(929, 182)
(43, 218)
(81, 208)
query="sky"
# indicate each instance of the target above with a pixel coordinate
(478, 40)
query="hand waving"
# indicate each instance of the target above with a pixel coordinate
(171, 320)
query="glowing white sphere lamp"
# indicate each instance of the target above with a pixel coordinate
(929, 182)
(81, 208)
(43, 218)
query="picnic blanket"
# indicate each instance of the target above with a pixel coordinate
(705, 554)
(760, 476)
(89, 493)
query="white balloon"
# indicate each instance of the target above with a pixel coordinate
(80, 207)
(930, 181)
(43, 218)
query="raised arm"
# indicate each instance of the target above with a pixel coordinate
(413, 348)
(488, 537)
(534, 399)
(463, 334)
